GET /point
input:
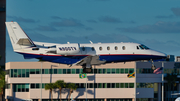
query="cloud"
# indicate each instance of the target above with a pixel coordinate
(102, 0)
(21, 19)
(42, 38)
(46, 28)
(88, 28)
(132, 22)
(159, 27)
(72, 31)
(67, 23)
(111, 38)
(168, 47)
(164, 17)
(92, 21)
(95, 38)
(56, 17)
(109, 19)
(176, 11)
(98, 0)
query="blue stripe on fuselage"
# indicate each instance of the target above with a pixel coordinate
(70, 59)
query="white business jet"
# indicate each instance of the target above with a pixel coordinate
(84, 55)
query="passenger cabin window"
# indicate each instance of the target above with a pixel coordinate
(100, 48)
(92, 48)
(116, 48)
(108, 48)
(123, 47)
(137, 47)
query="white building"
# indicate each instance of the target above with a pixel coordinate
(108, 82)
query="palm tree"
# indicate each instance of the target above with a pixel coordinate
(174, 79)
(72, 87)
(50, 86)
(2, 82)
(60, 84)
(171, 79)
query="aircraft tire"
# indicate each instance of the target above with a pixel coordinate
(87, 70)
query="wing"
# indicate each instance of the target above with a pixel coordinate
(91, 60)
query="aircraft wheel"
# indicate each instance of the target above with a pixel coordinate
(153, 67)
(87, 70)
(83, 67)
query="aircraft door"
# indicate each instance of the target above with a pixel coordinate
(83, 50)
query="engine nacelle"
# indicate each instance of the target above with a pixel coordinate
(68, 49)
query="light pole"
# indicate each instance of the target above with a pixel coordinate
(41, 80)
(86, 87)
(163, 81)
(135, 83)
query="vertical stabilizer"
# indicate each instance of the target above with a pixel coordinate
(18, 37)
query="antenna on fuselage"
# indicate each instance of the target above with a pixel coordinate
(91, 42)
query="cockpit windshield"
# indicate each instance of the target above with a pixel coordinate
(143, 46)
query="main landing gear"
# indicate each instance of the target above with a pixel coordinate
(87, 69)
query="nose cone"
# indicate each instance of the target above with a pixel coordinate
(159, 54)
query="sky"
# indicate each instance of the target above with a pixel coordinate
(154, 23)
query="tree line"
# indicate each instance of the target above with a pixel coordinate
(2, 82)
(60, 84)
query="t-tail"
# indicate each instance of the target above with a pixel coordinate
(18, 37)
